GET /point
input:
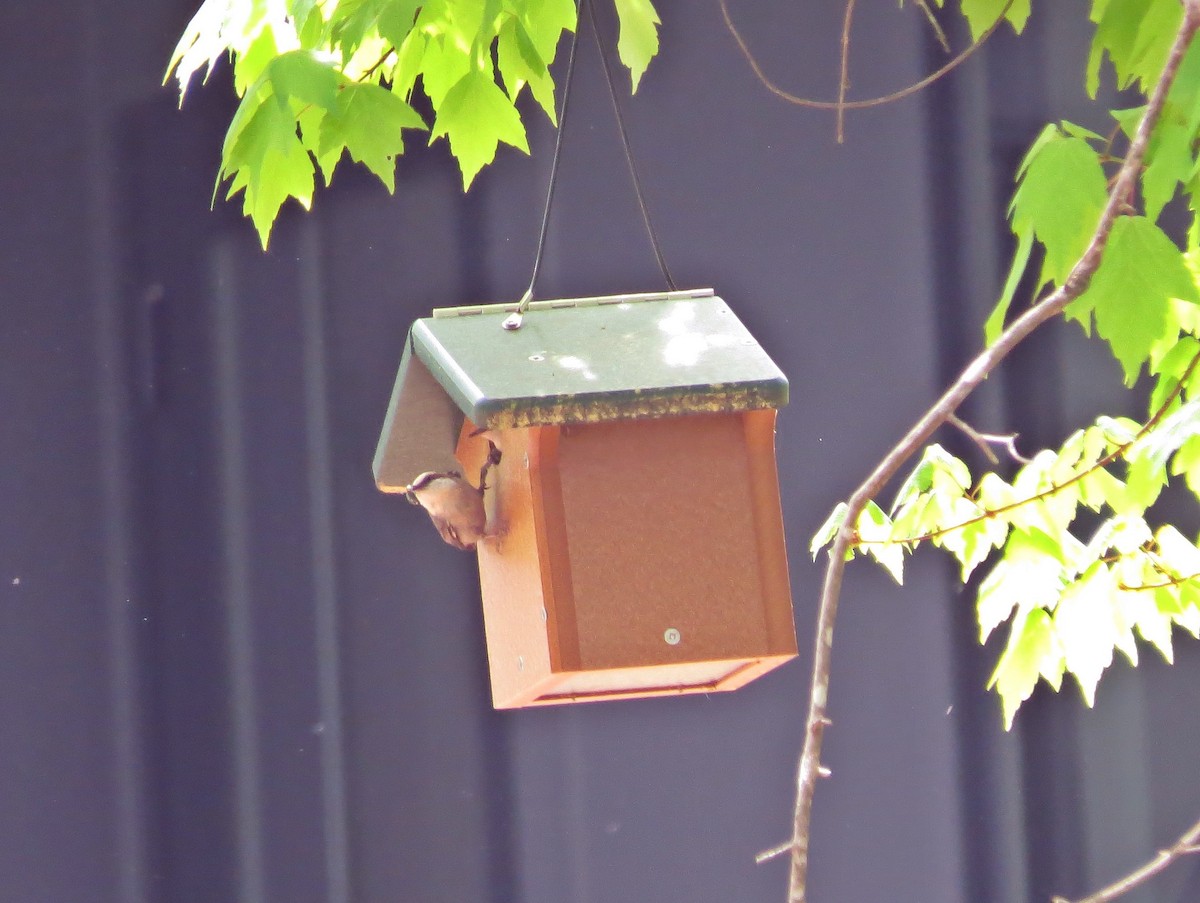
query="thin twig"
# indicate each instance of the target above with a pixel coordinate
(773, 852)
(808, 768)
(844, 78)
(368, 72)
(1185, 845)
(985, 441)
(912, 89)
(938, 33)
(1171, 581)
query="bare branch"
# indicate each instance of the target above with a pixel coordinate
(773, 852)
(844, 78)
(934, 24)
(985, 441)
(912, 89)
(808, 768)
(1184, 846)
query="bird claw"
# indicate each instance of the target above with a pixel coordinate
(493, 458)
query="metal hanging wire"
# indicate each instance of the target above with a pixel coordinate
(633, 171)
(514, 320)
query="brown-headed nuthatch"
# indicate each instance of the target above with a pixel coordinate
(453, 504)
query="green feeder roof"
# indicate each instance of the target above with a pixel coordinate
(573, 361)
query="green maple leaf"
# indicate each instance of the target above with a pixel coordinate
(367, 122)
(299, 10)
(1088, 626)
(202, 43)
(974, 542)
(995, 321)
(981, 14)
(300, 75)
(521, 65)
(354, 23)
(349, 22)
(638, 42)
(475, 117)
(1154, 36)
(250, 65)
(1061, 194)
(1033, 651)
(828, 530)
(1116, 31)
(410, 56)
(395, 20)
(875, 529)
(545, 21)
(443, 65)
(1060, 198)
(269, 163)
(1169, 160)
(1030, 575)
(1136, 35)
(1150, 613)
(1130, 294)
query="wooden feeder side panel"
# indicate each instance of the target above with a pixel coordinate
(663, 541)
(768, 519)
(511, 572)
(554, 554)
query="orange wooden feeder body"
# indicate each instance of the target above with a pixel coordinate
(639, 547)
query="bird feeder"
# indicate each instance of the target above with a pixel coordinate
(638, 547)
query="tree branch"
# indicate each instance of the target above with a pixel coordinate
(934, 24)
(912, 89)
(985, 441)
(844, 78)
(1172, 580)
(1185, 845)
(1115, 455)
(809, 766)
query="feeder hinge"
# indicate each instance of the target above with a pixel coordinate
(440, 313)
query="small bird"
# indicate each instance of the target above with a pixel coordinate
(453, 504)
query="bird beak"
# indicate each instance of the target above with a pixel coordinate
(410, 495)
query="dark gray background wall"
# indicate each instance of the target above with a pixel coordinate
(230, 670)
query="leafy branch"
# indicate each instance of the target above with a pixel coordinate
(810, 769)
(1119, 452)
(321, 81)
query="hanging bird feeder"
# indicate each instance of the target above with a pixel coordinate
(634, 541)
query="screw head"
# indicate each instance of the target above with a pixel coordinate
(672, 636)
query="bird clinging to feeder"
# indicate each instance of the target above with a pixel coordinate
(453, 504)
